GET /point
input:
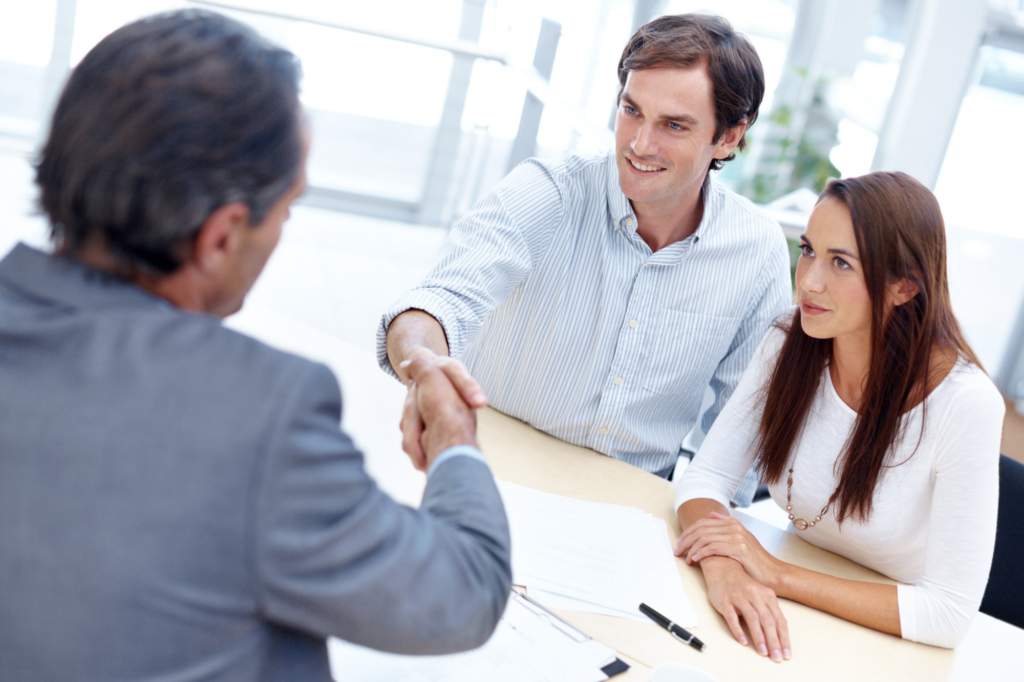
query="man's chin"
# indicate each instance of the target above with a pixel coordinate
(230, 309)
(642, 191)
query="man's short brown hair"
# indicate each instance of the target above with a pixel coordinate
(686, 40)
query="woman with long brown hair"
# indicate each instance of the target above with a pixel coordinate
(874, 426)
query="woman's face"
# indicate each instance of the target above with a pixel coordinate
(830, 285)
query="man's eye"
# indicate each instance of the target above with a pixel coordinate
(675, 126)
(630, 110)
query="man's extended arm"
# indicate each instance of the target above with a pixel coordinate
(488, 253)
(336, 556)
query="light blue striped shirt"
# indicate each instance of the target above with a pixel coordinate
(570, 323)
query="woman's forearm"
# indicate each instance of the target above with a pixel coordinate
(872, 605)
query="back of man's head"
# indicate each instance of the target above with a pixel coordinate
(688, 40)
(164, 121)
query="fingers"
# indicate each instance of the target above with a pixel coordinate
(733, 619)
(766, 623)
(445, 419)
(770, 628)
(705, 527)
(731, 545)
(745, 602)
(414, 353)
(412, 429)
(464, 383)
(783, 629)
(706, 547)
(753, 621)
(420, 371)
(715, 522)
(434, 378)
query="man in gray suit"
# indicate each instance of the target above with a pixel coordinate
(177, 501)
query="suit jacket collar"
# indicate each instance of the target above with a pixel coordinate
(68, 283)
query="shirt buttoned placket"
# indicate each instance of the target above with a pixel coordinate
(623, 384)
(623, 381)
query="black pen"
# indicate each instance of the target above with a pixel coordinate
(676, 631)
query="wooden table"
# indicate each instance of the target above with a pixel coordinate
(824, 647)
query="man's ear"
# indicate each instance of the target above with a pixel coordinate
(730, 138)
(901, 291)
(219, 235)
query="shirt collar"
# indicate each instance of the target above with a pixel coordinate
(713, 206)
(621, 211)
(69, 283)
(619, 207)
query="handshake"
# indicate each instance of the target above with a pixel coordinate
(439, 407)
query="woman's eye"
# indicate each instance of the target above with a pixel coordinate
(841, 264)
(806, 250)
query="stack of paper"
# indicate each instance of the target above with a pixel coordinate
(524, 648)
(594, 557)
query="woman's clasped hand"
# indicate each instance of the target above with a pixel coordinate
(721, 535)
(741, 591)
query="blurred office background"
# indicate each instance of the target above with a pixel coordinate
(420, 106)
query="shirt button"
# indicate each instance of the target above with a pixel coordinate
(618, 381)
(602, 430)
(648, 265)
(633, 323)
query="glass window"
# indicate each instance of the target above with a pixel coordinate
(26, 32)
(979, 190)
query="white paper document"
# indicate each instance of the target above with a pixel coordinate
(594, 557)
(526, 647)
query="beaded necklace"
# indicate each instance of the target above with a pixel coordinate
(800, 524)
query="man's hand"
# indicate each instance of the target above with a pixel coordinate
(456, 372)
(412, 422)
(435, 416)
(417, 335)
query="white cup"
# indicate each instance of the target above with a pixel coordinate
(679, 672)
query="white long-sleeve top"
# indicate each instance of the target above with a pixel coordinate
(933, 520)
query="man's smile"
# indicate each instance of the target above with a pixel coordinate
(643, 167)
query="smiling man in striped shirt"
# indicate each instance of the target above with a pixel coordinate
(596, 298)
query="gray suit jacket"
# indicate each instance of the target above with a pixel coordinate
(177, 502)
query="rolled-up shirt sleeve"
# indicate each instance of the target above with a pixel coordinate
(488, 253)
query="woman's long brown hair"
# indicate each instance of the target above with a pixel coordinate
(900, 235)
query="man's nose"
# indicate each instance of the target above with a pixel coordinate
(644, 143)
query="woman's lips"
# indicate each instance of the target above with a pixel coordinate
(811, 309)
